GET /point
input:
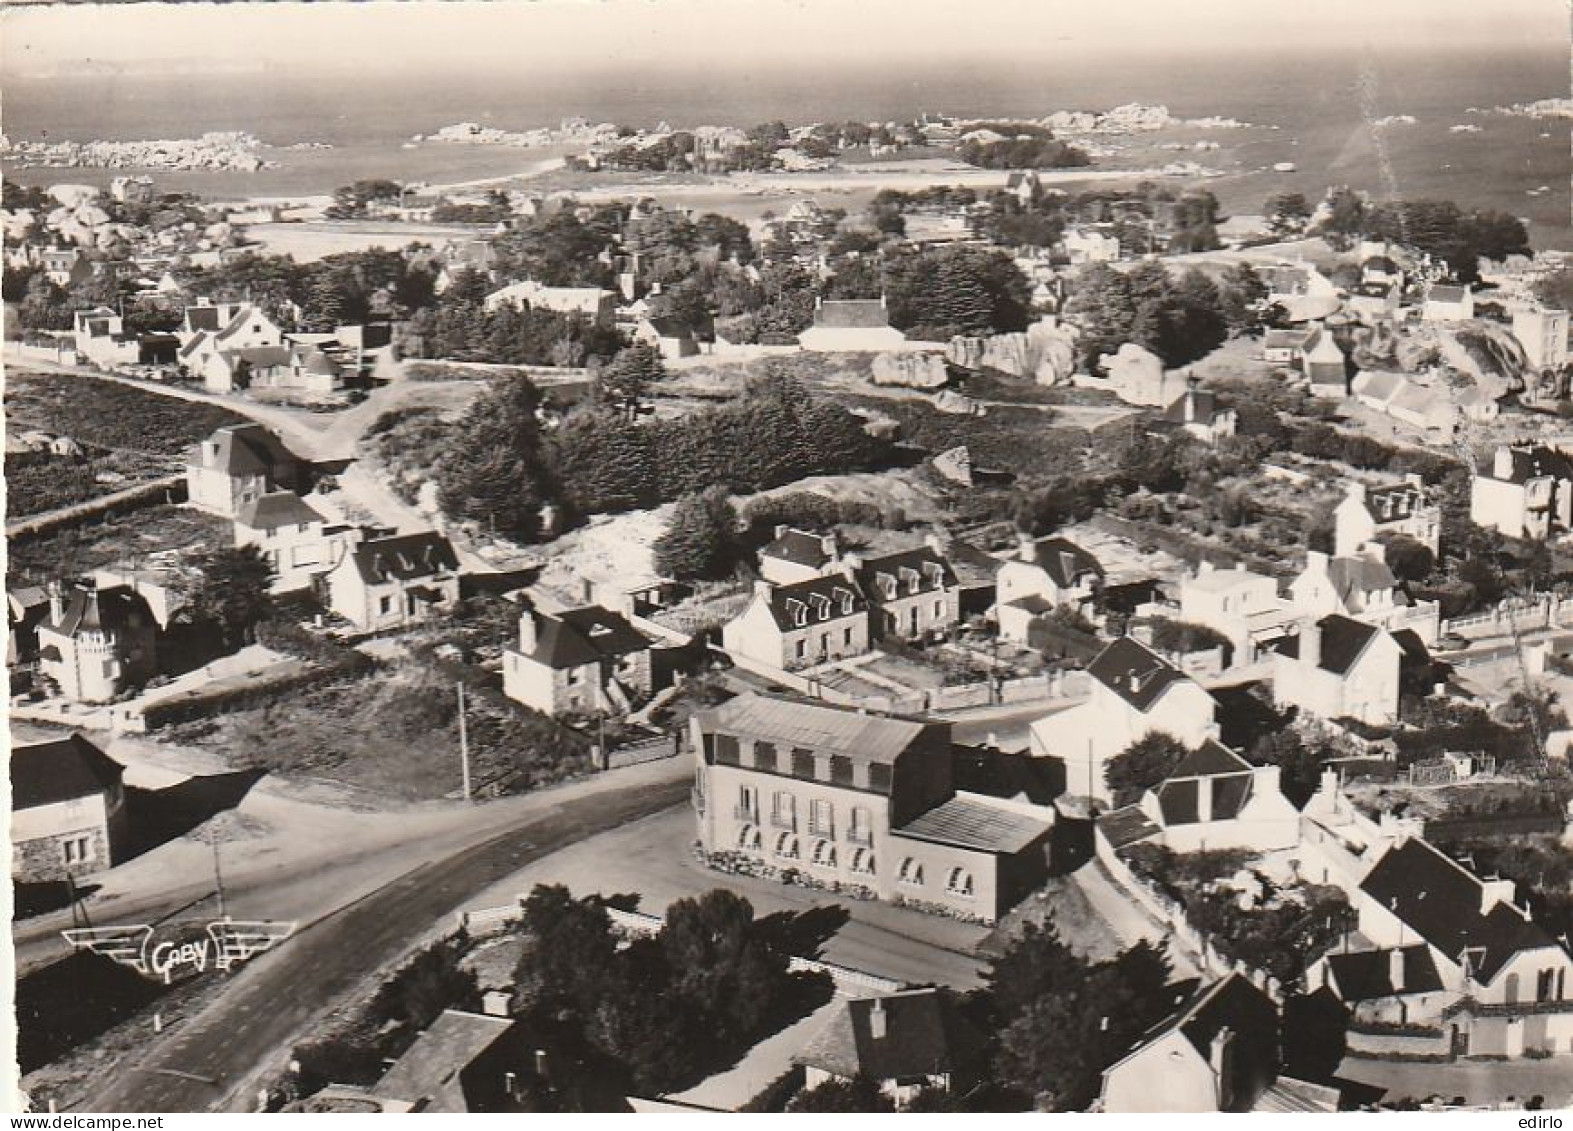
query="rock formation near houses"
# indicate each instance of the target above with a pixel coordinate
(910, 370)
(1045, 352)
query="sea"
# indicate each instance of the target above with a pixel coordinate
(1384, 123)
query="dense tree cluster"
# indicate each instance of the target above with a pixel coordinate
(940, 292)
(1180, 319)
(654, 1015)
(1023, 152)
(700, 539)
(1141, 766)
(354, 200)
(1438, 228)
(1058, 1020)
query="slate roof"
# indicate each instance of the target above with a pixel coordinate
(431, 1069)
(1180, 801)
(814, 726)
(1440, 901)
(249, 449)
(924, 1035)
(1379, 263)
(1359, 575)
(588, 635)
(820, 598)
(1343, 640)
(258, 357)
(852, 313)
(1394, 503)
(203, 317)
(1443, 293)
(1231, 1003)
(1064, 561)
(996, 773)
(50, 772)
(1126, 826)
(1284, 339)
(277, 509)
(799, 547)
(923, 560)
(91, 609)
(1367, 974)
(1135, 672)
(966, 822)
(404, 557)
(1199, 405)
(1533, 463)
(1208, 760)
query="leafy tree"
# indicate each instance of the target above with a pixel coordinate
(44, 306)
(498, 476)
(1343, 215)
(571, 947)
(720, 964)
(838, 1095)
(431, 982)
(1287, 213)
(939, 292)
(1244, 293)
(1037, 964)
(353, 200)
(700, 537)
(232, 594)
(1409, 559)
(1300, 765)
(1141, 766)
(628, 378)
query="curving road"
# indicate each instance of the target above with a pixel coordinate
(214, 1060)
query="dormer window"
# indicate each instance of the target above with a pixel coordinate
(821, 606)
(798, 610)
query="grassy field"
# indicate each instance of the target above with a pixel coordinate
(127, 435)
(395, 733)
(76, 550)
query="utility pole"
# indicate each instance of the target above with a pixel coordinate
(464, 744)
(218, 874)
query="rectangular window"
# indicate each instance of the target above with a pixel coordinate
(783, 810)
(802, 648)
(803, 764)
(822, 818)
(846, 636)
(747, 804)
(385, 605)
(841, 769)
(726, 750)
(862, 828)
(76, 849)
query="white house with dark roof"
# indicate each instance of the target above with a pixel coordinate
(1373, 302)
(1363, 587)
(1448, 303)
(1287, 345)
(861, 800)
(912, 593)
(594, 304)
(801, 624)
(851, 326)
(798, 555)
(1044, 574)
(583, 661)
(1242, 605)
(297, 541)
(1508, 982)
(1198, 413)
(1214, 799)
(1217, 1052)
(97, 641)
(1339, 668)
(1304, 293)
(237, 465)
(395, 581)
(68, 810)
(1527, 492)
(1326, 369)
(1134, 693)
(1368, 513)
(463, 1062)
(905, 1043)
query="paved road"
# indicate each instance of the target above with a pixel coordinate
(269, 1002)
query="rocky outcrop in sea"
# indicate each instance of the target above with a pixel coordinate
(226, 152)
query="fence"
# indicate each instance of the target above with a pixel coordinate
(1544, 613)
(645, 750)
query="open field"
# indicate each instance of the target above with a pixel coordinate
(81, 549)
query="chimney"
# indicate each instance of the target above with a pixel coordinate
(762, 588)
(877, 1020)
(528, 631)
(827, 543)
(57, 604)
(1502, 467)
(934, 541)
(1026, 548)
(1315, 561)
(1493, 892)
(781, 529)
(1311, 644)
(1395, 970)
(494, 1003)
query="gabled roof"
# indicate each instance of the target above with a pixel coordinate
(1231, 1003)
(923, 560)
(1443, 293)
(1135, 672)
(588, 635)
(204, 316)
(1362, 575)
(852, 313)
(64, 770)
(1284, 339)
(820, 600)
(1368, 974)
(814, 726)
(1533, 463)
(1379, 263)
(1343, 642)
(1441, 902)
(799, 547)
(431, 1069)
(924, 1035)
(1193, 405)
(404, 557)
(91, 609)
(1064, 561)
(237, 322)
(258, 357)
(1208, 760)
(249, 449)
(277, 509)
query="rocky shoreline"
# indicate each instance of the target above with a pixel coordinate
(227, 152)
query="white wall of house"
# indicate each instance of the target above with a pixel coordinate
(1166, 1077)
